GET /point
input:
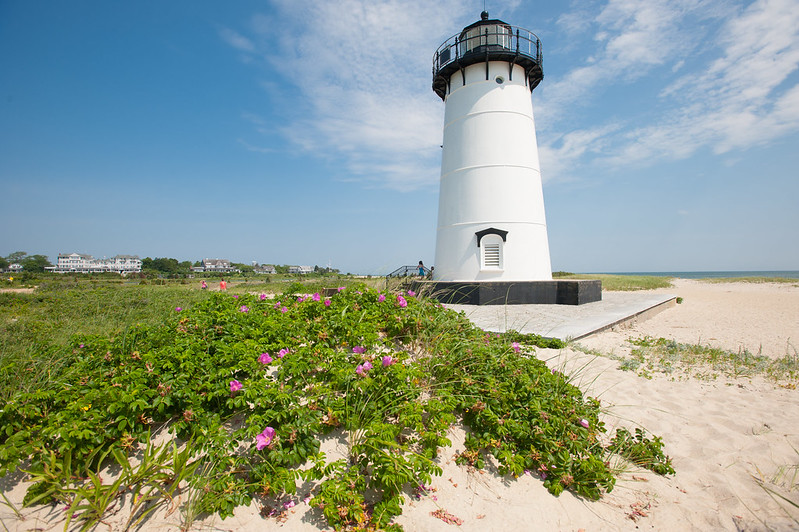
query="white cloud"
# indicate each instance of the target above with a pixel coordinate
(236, 40)
(560, 155)
(362, 69)
(739, 91)
(631, 38)
(719, 76)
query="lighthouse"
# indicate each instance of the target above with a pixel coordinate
(491, 236)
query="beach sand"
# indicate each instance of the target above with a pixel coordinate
(728, 437)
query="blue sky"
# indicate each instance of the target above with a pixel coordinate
(306, 132)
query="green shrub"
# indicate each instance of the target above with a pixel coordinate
(254, 384)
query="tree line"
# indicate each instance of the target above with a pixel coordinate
(160, 265)
(29, 263)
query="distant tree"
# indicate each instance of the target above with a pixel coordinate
(3, 263)
(35, 263)
(243, 268)
(147, 263)
(282, 268)
(185, 266)
(197, 263)
(166, 265)
(16, 257)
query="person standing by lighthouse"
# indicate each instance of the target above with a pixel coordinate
(491, 221)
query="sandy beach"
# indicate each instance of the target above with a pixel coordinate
(731, 439)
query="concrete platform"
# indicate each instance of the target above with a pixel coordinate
(568, 322)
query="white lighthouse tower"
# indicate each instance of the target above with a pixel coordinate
(491, 222)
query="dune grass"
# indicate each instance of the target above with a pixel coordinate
(754, 280)
(660, 355)
(621, 283)
(36, 327)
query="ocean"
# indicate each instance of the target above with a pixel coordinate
(788, 274)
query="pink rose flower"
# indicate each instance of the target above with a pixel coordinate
(516, 347)
(265, 438)
(358, 350)
(265, 358)
(327, 302)
(381, 298)
(283, 352)
(316, 297)
(387, 361)
(401, 301)
(235, 386)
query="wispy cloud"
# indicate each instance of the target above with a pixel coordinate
(363, 69)
(740, 91)
(236, 40)
(705, 75)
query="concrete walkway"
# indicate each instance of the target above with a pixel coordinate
(568, 321)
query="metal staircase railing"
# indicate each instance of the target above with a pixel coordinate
(408, 271)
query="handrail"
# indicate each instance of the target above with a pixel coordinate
(511, 39)
(408, 271)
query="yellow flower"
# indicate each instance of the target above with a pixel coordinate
(85, 408)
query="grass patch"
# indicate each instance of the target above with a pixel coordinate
(36, 328)
(782, 488)
(755, 280)
(667, 356)
(622, 283)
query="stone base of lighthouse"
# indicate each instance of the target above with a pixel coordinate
(554, 292)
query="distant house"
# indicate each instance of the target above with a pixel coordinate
(300, 269)
(14, 268)
(217, 265)
(264, 269)
(82, 263)
(122, 264)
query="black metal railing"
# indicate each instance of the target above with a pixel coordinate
(497, 38)
(409, 271)
(486, 42)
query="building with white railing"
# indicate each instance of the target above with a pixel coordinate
(82, 263)
(300, 269)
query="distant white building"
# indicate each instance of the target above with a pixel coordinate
(82, 263)
(264, 269)
(216, 265)
(300, 269)
(122, 264)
